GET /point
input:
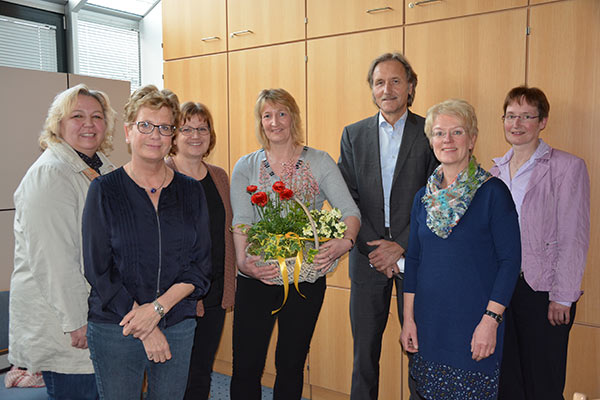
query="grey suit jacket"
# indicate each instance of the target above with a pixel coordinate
(360, 165)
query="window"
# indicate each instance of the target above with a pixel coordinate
(109, 47)
(31, 38)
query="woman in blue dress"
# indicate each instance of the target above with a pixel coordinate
(462, 263)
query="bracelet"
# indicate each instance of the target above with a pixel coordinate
(160, 310)
(492, 314)
(351, 242)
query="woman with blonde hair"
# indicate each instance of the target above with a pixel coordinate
(146, 250)
(192, 143)
(462, 263)
(48, 292)
(282, 158)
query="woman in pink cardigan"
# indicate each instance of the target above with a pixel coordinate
(191, 144)
(551, 191)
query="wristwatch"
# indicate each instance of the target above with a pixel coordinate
(159, 308)
(497, 317)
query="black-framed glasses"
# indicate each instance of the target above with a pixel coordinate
(147, 128)
(189, 131)
(514, 117)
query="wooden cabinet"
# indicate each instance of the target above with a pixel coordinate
(583, 362)
(477, 58)
(337, 82)
(339, 16)
(258, 22)
(204, 80)
(331, 354)
(564, 62)
(193, 27)
(250, 71)
(428, 10)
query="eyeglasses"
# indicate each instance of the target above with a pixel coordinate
(147, 128)
(514, 117)
(189, 131)
(454, 133)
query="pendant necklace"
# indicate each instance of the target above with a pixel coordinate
(152, 190)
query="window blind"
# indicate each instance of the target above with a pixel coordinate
(109, 52)
(27, 44)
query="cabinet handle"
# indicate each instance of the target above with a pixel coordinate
(234, 34)
(419, 3)
(206, 39)
(374, 10)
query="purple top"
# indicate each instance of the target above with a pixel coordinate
(554, 214)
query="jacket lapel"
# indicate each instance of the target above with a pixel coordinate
(541, 168)
(408, 138)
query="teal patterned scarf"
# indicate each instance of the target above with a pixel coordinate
(445, 207)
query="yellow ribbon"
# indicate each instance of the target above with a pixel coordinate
(283, 269)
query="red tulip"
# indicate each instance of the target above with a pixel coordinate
(278, 187)
(251, 188)
(260, 199)
(286, 194)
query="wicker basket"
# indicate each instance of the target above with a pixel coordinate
(308, 273)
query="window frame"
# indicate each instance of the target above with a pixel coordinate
(44, 17)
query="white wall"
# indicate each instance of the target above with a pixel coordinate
(151, 47)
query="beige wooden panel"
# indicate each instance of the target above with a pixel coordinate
(476, 58)
(420, 11)
(337, 83)
(583, 362)
(331, 352)
(118, 92)
(7, 248)
(319, 393)
(564, 62)
(193, 27)
(339, 277)
(204, 80)
(260, 22)
(250, 71)
(339, 16)
(24, 98)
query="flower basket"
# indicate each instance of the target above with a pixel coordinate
(288, 236)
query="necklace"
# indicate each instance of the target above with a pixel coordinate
(152, 190)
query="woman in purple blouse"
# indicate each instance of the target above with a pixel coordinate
(551, 191)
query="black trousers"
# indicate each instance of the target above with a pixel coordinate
(252, 329)
(534, 359)
(206, 341)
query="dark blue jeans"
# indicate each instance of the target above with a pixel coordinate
(70, 386)
(120, 362)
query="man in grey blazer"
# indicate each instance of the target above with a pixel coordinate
(385, 160)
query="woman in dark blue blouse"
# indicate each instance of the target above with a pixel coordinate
(146, 249)
(462, 263)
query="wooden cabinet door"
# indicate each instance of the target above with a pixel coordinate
(257, 22)
(339, 16)
(428, 10)
(479, 59)
(193, 28)
(564, 61)
(337, 83)
(204, 80)
(250, 71)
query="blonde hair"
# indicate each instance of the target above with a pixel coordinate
(149, 96)
(281, 97)
(189, 110)
(64, 103)
(456, 108)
